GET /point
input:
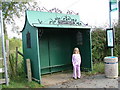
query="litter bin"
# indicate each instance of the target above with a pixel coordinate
(111, 66)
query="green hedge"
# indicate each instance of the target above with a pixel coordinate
(99, 48)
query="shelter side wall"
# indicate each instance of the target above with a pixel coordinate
(33, 52)
(86, 53)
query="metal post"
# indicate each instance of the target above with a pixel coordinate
(119, 12)
(3, 49)
(110, 25)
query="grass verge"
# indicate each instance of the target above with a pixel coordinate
(22, 82)
(98, 68)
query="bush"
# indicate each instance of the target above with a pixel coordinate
(99, 49)
(98, 68)
(13, 72)
(98, 45)
(117, 42)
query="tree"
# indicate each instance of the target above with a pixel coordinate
(11, 9)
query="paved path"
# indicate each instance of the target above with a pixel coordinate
(64, 80)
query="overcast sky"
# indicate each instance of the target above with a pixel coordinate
(91, 12)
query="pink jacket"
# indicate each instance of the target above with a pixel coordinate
(76, 59)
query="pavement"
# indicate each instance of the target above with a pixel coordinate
(65, 80)
(119, 83)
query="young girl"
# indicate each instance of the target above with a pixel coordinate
(76, 61)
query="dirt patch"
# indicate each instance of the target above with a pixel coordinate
(56, 78)
(65, 80)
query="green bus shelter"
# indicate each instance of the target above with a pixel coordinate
(49, 39)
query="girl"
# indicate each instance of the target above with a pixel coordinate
(76, 61)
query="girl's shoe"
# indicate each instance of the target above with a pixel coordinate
(78, 77)
(74, 78)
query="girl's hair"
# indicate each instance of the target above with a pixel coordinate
(76, 50)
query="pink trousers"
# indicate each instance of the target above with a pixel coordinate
(76, 71)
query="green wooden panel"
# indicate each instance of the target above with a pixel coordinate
(60, 50)
(85, 49)
(33, 52)
(44, 54)
(48, 19)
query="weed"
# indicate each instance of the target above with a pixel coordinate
(98, 68)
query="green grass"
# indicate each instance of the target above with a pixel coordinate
(21, 82)
(98, 68)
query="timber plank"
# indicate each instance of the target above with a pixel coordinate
(1, 58)
(2, 81)
(2, 70)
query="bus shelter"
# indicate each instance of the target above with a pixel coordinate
(49, 39)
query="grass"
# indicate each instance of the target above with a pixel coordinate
(98, 68)
(21, 82)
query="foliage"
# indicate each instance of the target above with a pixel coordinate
(22, 82)
(117, 41)
(14, 42)
(18, 80)
(98, 45)
(10, 10)
(99, 49)
(98, 68)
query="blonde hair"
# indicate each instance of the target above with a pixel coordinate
(76, 50)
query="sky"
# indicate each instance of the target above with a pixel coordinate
(91, 12)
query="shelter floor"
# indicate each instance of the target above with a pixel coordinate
(56, 78)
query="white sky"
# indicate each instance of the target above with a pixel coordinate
(93, 12)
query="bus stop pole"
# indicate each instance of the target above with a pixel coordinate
(110, 26)
(119, 12)
(3, 49)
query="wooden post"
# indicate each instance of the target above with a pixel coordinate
(16, 60)
(29, 75)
